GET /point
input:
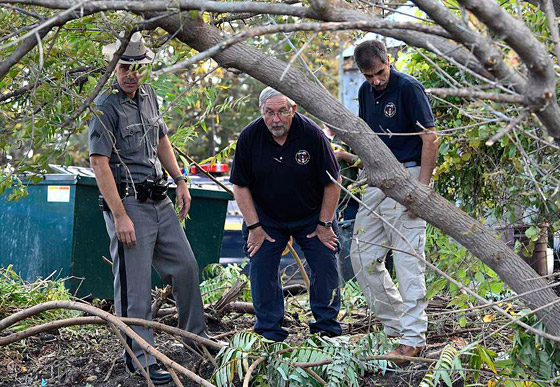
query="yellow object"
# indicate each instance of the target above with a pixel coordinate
(336, 147)
(290, 249)
(233, 226)
(287, 249)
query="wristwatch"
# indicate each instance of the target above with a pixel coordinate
(179, 178)
(325, 224)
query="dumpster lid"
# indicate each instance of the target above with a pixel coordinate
(195, 181)
(72, 170)
(47, 178)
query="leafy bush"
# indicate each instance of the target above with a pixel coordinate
(16, 294)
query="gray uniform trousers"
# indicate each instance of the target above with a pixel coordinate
(402, 310)
(161, 242)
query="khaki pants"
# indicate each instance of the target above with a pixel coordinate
(402, 310)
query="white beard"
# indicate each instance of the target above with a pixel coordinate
(278, 131)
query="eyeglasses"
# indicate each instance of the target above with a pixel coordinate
(280, 114)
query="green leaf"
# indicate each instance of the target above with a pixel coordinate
(533, 233)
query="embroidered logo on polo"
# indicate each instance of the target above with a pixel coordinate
(302, 157)
(390, 110)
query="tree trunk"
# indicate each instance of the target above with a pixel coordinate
(382, 168)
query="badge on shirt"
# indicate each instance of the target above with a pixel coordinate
(390, 110)
(302, 157)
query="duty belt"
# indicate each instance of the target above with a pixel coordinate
(149, 189)
(156, 191)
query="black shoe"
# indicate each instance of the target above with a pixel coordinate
(328, 334)
(158, 374)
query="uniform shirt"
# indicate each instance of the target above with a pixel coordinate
(129, 129)
(286, 182)
(397, 109)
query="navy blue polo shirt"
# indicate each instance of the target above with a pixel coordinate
(397, 109)
(286, 181)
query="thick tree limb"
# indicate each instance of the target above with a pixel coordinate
(443, 274)
(382, 169)
(326, 14)
(541, 82)
(490, 57)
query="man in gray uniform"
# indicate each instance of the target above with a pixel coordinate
(128, 145)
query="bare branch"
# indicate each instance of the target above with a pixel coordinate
(470, 93)
(165, 5)
(507, 129)
(370, 25)
(31, 41)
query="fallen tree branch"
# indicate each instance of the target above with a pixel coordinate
(240, 307)
(229, 296)
(109, 318)
(382, 169)
(369, 358)
(160, 298)
(130, 352)
(88, 320)
(251, 369)
(165, 5)
(315, 376)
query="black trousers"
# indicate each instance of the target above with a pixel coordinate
(266, 289)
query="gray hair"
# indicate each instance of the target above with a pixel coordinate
(269, 92)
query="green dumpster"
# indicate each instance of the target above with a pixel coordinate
(58, 227)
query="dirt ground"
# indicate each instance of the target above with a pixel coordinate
(92, 356)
